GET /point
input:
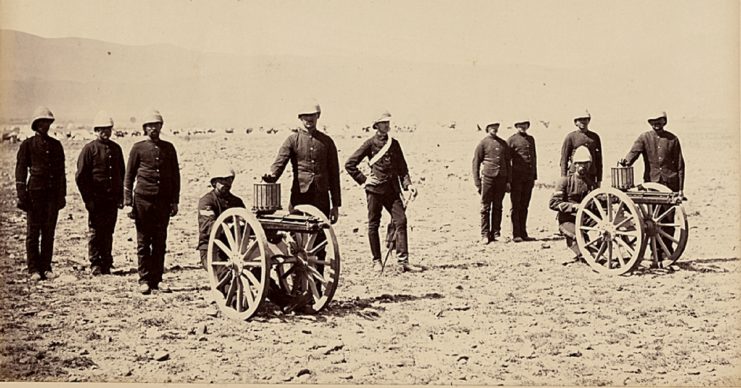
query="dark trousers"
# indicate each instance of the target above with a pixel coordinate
(101, 224)
(568, 230)
(152, 218)
(391, 201)
(492, 195)
(41, 222)
(522, 190)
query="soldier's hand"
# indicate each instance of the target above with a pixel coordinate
(412, 190)
(334, 215)
(173, 210)
(371, 181)
(120, 205)
(129, 212)
(269, 178)
(478, 189)
(622, 162)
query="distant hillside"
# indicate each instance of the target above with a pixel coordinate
(77, 77)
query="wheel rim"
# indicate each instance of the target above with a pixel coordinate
(306, 272)
(237, 263)
(609, 231)
(666, 245)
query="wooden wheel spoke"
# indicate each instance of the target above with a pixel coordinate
(248, 253)
(287, 273)
(309, 242)
(230, 293)
(592, 216)
(621, 223)
(223, 247)
(661, 224)
(588, 228)
(229, 235)
(248, 293)
(654, 249)
(625, 245)
(654, 211)
(237, 234)
(240, 295)
(664, 248)
(245, 237)
(667, 235)
(631, 233)
(596, 240)
(314, 290)
(317, 275)
(664, 214)
(226, 278)
(219, 263)
(251, 277)
(600, 209)
(601, 250)
(316, 249)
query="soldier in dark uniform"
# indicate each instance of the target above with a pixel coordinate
(215, 202)
(389, 176)
(100, 172)
(570, 191)
(153, 164)
(524, 175)
(41, 187)
(662, 159)
(492, 174)
(316, 171)
(583, 137)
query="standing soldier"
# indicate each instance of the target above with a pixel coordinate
(41, 186)
(153, 164)
(524, 175)
(215, 202)
(570, 191)
(492, 174)
(662, 155)
(583, 137)
(100, 172)
(389, 176)
(316, 171)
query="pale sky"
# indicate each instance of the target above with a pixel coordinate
(552, 33)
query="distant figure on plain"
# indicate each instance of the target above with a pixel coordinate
(583, 136)
(99, 177)
(153, 165)
(492, 175)
(41, 187)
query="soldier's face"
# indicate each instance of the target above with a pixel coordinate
(492, 129)
(523, 127)
(382, 127)
(309, 121)
(582, 123)
(42, 126)
(223, 185)
(104, 133)
(153, 130)
(581, 168)
(657, 124)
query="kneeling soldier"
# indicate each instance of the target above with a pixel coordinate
(569, 193)
(99, 177)
(383, 189)
(215, 202)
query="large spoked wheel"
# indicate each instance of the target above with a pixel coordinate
(313, 269)
(666, 227)
(609, 231)
(237, 263)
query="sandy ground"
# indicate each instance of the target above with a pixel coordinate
(505, 313)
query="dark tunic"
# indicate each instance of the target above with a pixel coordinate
(662, 157)
(154, 166)
(579, 138)
(388, 170)
(210, 206)
(100, 172)
(492, 158)
(40, 167)
(524, 158)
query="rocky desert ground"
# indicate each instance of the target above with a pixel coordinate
(506, 313)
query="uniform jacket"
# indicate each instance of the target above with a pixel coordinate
(210, 206)
(389, 169)
(154, 166)
(662, 156)
(100, 172)
(40, 166)
(524, 159)
(314, 159)
(570, 191)
(492, 158)
(577, 139)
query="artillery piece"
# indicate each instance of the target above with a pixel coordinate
(284, 256)
(614, 225)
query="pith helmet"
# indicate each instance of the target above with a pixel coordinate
(41, 113)
(102, 120)
(581, 155)
(583, 115)
(153, 116)
(522, 121)
(658, 115)
(220, 169)
(385, 117)
(310, 109)
(486, 123)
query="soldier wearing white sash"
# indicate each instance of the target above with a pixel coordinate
(388, 177)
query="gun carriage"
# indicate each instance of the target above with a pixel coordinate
(291, 258)
(615, 225)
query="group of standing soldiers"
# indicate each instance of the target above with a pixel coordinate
(501, 166)
(149, 186)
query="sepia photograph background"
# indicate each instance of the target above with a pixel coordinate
(229, 78)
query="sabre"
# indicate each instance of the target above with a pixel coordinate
(392, 239)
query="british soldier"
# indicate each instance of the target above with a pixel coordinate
(41, 187)
(99, 177)
(215, 202)
(492, 174)
(583, 136)
(524, 175)
(153, 165)
(570, 191)
(388, 177)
